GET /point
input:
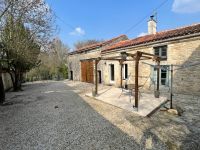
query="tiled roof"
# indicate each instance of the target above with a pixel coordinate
(192, 29)
(100, 44)
(115, 39)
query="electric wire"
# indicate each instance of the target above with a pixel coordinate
(146, 16)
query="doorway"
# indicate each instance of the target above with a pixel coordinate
(71, 75)
(99, 76)
(112, 73)
(87, 71)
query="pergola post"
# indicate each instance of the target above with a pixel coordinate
(121, 76)
(157, 93)
(137, 59)
(96, 77)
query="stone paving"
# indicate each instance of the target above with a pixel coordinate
(170, 131)
(125, 100)
(52, 115)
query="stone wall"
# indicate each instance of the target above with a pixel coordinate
(74, 59)
(179, 52)
(7, 81)
(74, 62)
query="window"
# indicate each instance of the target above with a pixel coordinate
(161, 51)
(112, 72)
(164, 75)
(125, 71)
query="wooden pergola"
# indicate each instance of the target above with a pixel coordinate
(130, 57)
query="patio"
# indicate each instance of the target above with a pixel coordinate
(114, 96)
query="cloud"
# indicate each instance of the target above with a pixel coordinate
(186, 6)
(78, 31)
(142, 34)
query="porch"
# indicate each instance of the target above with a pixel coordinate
(125, 100)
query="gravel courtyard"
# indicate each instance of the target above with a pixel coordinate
(53, 115)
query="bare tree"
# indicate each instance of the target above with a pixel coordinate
(35, 14)
(53, 62)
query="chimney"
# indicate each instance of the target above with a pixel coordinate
(152, 25)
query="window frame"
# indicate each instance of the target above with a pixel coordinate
(125, 71)
(158, 50)
(167, 73)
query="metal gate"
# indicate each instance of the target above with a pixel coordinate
(87, 71)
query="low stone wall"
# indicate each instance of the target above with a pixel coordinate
(7, 81)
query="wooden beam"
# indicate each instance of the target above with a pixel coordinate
(112, 59)
(148, 54)
(147, 57)
(131, 55)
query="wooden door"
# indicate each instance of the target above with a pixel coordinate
(87, 71)
(83, 71)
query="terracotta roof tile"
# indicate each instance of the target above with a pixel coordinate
(156, 37)
(100, 44)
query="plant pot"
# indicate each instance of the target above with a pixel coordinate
(156, 94)
(93, 93)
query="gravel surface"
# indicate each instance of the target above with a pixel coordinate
(51, 115)
(161, 131)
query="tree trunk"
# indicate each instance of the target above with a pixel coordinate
(17, 82)
(12, 78)
(2, 92)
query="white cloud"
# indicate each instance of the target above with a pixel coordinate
(186, 6)
(142, 34)
(78, 31)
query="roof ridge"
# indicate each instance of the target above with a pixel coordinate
(88, 46)
(177, 28)
(107, 41)
(180, 31)
(100, 43)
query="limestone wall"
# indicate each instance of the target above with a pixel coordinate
(75, 64)
(179, 52)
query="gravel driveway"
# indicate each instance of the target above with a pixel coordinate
(51, 116)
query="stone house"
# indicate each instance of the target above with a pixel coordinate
(178, 47)
(82, 69)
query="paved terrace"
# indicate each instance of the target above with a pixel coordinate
(57, 115)
(125, 100)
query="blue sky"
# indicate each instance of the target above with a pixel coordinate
(105, 19)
